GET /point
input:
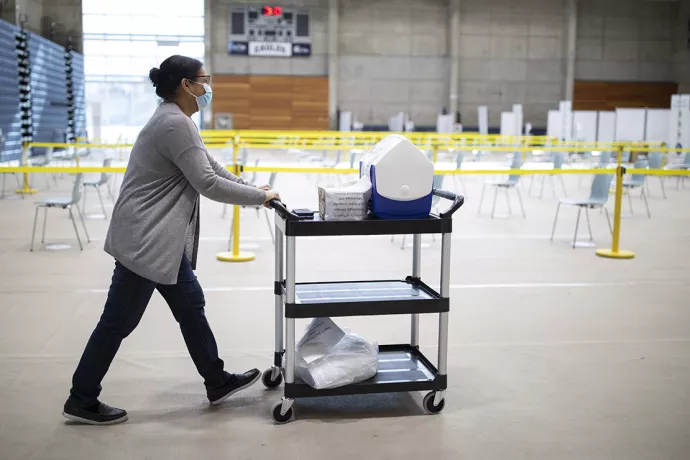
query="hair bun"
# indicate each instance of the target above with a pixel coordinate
(154, 76)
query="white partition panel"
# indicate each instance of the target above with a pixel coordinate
(674, 121)
(444, 124)
(483, 117)
(684, 128)
(554, 124)
(606, 127)
(657, 125)
(508, 124)
(585, 125)
(566, 109)
(630, 124)
(519, 128)
(345, 122)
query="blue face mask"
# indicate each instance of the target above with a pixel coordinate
(205, 99)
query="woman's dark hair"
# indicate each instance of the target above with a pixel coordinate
(168, 77)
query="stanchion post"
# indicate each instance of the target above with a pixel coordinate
(235, 255)
(26, 187)
(615, 252)
(435, 154)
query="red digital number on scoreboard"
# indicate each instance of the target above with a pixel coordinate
(273, 10)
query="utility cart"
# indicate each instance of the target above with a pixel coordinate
(402, 368)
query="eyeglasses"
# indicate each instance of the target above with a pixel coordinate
(203, 79)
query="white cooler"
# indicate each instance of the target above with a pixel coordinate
(401, 176)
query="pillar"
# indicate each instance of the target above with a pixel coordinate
(333, 19)
(454, 52)
(570, 46)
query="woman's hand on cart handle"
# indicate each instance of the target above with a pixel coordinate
(458, 201)
(271, 195)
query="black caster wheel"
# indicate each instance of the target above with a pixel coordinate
(266, 379)
(281, 418)
(429, 404)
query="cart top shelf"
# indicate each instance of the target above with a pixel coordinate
(293, 225)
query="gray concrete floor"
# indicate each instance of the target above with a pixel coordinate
(554, 353)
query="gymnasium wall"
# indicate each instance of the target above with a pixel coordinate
(625, 40)
(272, 102)
(393, 55)
(602, 95)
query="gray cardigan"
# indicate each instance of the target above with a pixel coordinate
(157, 214)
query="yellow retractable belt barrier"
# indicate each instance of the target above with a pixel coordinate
(615, 252)
(236, 255)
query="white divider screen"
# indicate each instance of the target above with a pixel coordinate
(508, 124)
(345, 122)
(630, 124)
(566, 109)
(483, 114)
(585, 125)
(519, 128)
(658, 125)
(554, 124)
(606, 129)
(444, 124)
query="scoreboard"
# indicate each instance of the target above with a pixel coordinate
(269, 30)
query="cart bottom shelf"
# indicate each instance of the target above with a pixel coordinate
(402, 368)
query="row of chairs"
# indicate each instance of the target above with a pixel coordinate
(79, 191)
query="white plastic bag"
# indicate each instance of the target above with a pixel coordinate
(329, 357)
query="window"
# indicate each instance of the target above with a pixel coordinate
(123, 40)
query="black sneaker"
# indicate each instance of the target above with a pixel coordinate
(236, 383)
(98, 414)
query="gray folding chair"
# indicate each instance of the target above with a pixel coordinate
(97, 184)
(637, 181)
(271, 182)
(598, 197)
(558, 158)
(458, 167)
(510, 183)
(43, 161)
(4, 175)
(63, 203)
(655, 161)
(685, 165)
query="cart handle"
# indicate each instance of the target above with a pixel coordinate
(458, 201)
(282, 210)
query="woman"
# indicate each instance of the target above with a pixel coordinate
(154, 235)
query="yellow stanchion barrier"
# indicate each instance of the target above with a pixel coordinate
(615, 252)
(26, 186)
(235, 255)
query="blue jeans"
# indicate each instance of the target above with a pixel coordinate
(128, 297)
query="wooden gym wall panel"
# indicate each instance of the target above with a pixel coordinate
(272, 102)
(310, 103)
(231, 95)
(603, 95)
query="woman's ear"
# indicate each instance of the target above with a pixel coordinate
(184, 84)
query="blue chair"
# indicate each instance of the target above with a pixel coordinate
(598, 197)
(510, 183)
(637, 181)
(655, 162)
